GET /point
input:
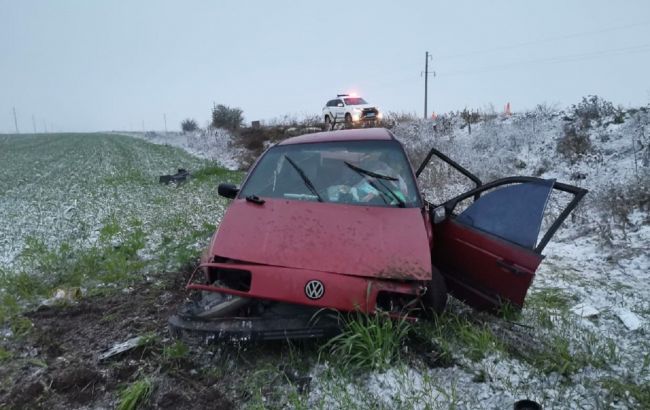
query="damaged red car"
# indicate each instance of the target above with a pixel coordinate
(336, 221)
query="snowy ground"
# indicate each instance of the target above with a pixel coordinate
(212, 145)
(580, 342)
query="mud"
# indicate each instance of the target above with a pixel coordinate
(55, 364)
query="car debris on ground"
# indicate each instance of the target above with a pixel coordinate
(181, 176)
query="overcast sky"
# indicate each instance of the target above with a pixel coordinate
(114, 65)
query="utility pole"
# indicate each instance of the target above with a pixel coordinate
(426, 73)
(16, 121)
(165, 119)
(34, 123)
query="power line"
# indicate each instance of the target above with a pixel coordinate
(555, 59)
(542, 40)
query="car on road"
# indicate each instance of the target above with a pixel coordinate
(350, 109)
(337, 221)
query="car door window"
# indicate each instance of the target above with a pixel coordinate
(513, 212)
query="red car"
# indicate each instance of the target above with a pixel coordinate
(336, 220)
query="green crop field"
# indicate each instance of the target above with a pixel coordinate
(70, 197)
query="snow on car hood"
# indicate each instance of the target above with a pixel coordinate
(346, 239)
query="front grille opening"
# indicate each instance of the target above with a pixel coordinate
(235, 279)
(396, 303)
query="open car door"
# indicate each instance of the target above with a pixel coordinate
(489, 252)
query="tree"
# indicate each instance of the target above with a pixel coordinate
(189, 125)
(470, 117)
(227, 117)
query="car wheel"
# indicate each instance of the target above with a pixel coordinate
(327, 120)
(348, 119)
(435, 299)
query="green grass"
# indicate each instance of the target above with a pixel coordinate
(135, 395)
(550, 298)
(5, 354)
(457, 335)
(176, 351)
(210, 173)
(368, 342)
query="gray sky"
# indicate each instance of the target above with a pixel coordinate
(102, 65)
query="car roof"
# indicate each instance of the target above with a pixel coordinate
(342, 135)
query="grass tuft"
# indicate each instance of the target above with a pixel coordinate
(176, 352)
(136, 395)
(456, 333)
(550, 298)
(5, 354)
(368, 342)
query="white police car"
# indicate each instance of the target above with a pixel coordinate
(350, 109)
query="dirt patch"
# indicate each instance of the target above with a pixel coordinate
(56, 366)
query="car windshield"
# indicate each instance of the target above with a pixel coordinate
(374, 173)
(354, 101)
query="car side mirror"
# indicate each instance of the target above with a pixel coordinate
(439, 214)
(228, 190)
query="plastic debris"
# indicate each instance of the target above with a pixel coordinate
(120, 348)
(629, 319)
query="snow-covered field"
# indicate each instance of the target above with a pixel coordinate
(213, 145)
(582, 341)
(65, 188)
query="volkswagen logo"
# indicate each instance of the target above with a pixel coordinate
(314, 289)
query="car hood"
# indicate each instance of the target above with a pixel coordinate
(347, 239)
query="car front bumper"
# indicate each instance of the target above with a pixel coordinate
(301, 286)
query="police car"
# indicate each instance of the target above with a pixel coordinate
(350, 109)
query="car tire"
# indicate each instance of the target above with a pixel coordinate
(348, 119)
(327, 120)
(435, 298)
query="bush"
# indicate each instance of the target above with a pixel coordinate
(254, 141)
(545, 110)
(391, 117)
(227, 117)
(189, 125)
(592, 108)
(574, 144)
(304, 121)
